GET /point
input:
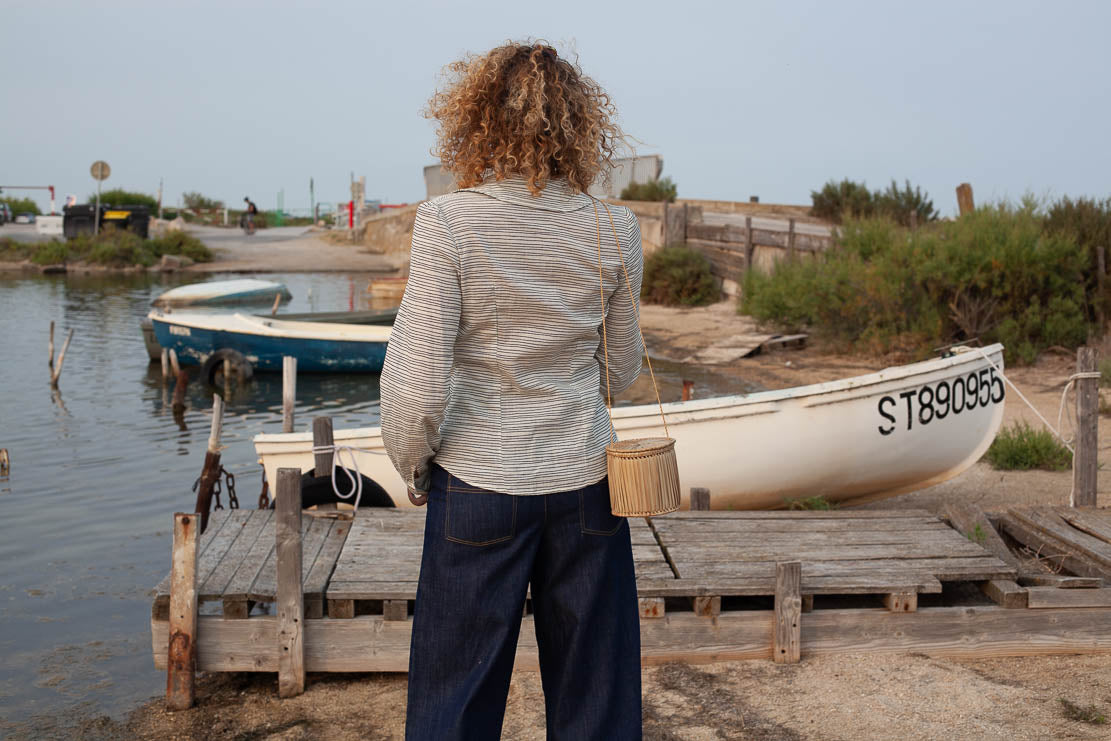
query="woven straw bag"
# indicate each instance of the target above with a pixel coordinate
(643, 472)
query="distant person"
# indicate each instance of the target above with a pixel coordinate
(493, 409)
(249, 214)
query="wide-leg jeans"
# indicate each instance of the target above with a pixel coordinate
(482, 550)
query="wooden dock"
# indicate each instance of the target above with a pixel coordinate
(713, 586)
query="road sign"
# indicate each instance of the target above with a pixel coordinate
(100, 170)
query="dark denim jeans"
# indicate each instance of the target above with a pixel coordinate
(482, 550)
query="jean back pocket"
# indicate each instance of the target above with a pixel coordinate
(475, 516)
(595, 513)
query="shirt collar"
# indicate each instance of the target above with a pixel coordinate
(557, 194)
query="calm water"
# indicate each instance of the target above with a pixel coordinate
(99, 467)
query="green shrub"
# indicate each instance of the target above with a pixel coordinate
(199, 202)
(1088, 221)
(1022, 447)
(180, 243)
(21, 205)
(993, 274)
(50, 253)
(835, 201)
(653, 190)
(112, 247)
(13, 251)
(121, 197)
(899, 204)
(676, 275)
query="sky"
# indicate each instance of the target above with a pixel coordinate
(740, 98)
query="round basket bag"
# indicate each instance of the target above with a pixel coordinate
(643, 472)
(643, 477)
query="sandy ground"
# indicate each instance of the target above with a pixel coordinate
(286, 249)
(846, 697)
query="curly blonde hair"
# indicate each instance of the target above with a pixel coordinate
(521, 109)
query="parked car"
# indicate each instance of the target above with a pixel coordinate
(5, 214)
(25, 218)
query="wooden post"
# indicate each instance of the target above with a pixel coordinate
(688, 389)
(174, 365)
(211, 471)
(165, 367)
(277, 302)
(748, 243)
(290, 597)
(700, 498)
(5, 463)
(1085, 464)
(179, 390)
(790, 239)
(964, 199)
(289, 391)
(51, 344)
(322, 438)
(788, 612)
(181, 659)
(913, 220)
(57, 372)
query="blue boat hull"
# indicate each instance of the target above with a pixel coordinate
(265, 353)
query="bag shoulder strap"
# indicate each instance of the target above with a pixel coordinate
(632, 300)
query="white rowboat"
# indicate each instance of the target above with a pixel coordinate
(219, 292)
(878, 435)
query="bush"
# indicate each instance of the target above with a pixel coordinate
(836, 201)
(1088, 221)
(1021, 447)
(994, 275)
(180, 243)
(21, 206)
(112, 247)
(898, 204)
(198, 202)
(654, 190)
(678, 276)
(121, 197)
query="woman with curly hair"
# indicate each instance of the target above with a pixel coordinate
(493, 410)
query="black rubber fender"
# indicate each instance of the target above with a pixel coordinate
(319, 491)
(215, 362)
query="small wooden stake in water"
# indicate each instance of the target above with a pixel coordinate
(57, 373)
(179, 390)
(289, 391)
(5, 462)
(52, 345)
(277, 302)
(165, 367)
(174, 364)
(1085, 463)
(290, 596)
(211, 471)
(181, 664)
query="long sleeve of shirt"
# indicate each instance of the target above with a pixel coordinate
(415, 381)
(626, 353)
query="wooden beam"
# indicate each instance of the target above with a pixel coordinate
(707, 606)
(901, 601)
(1043, 597)
(345, 608)
(1005, 593)
(964, 199)
(1060, 581)
(1061, 554)
(1096, 523)
(788, 611)
(370, 643)
(291, 609)
(181, 645)
(395, 609)
(322, 437)
(1085, 463)
(289, 391)
(651, 607)
(700, 498)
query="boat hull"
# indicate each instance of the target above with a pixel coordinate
(194, 343)
(886, 433)
(224, 293)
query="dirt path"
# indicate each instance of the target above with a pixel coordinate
(286, 249)
(831, 698)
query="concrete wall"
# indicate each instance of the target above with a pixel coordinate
(438, 181)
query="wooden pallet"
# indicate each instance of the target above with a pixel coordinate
(237, 567)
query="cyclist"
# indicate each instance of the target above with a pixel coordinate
(249, 215)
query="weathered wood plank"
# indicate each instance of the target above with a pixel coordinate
(651, 607)
(1096, 523)
(249, 532)
(970, 521)
(802, 516)
(1051, 549)
(373, 644)
(706, 606)
(708, 554)
(946, 569)
(734, 542)
(860, 583)
(788, 612)
(1061, 581)
(1049, 525)
(181, 645)
(1048, 597)
(1005, 593)
(207, 538)
(901, 601)
(1085, 464)
(265, 586)
(317, 579)
(290, 597)
(395, 609)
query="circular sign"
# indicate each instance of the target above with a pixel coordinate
(100, 170)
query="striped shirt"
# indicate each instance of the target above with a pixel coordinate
(495, 366)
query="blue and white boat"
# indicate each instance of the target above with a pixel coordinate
(223, 292)
(263, 341)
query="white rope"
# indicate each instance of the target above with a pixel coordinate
(357, 480)
(1061, 409)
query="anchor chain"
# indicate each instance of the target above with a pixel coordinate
(217, 488)
(264, 495)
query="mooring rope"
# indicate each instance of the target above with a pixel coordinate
(1067, 442)
(357, 480)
